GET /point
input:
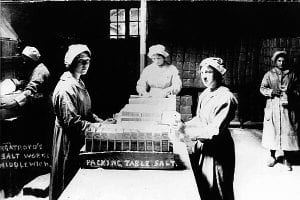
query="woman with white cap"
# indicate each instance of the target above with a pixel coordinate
(208, 137)
(281, 88)
(36, 76)
(159, 79)
(72, 107)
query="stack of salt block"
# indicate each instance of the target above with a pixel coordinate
(140, 112)
(186, 63)
(184, 107)
(129, 137)
(168, 104)
(146, 109)
(240, 59)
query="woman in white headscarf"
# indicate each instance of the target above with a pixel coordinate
(209, 137)
(72, 107)
(159, 79)
(280, 86)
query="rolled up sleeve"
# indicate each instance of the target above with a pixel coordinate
(142, 84)
(176, 82)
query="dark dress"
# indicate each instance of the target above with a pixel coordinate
(214, 157)
(72, 107)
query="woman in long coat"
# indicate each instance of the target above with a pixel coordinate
(72, 106)
(281, 123)
(159, 79)
(213, 145)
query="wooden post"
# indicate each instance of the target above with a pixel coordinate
(143, 34)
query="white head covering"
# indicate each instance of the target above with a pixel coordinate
(73, 51)
(32, 53)
(157, 49)
(214, 62)
(277, 54)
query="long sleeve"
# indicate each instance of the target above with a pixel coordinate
(223, 114)
(193, 128)
(68, 113)
(213, 117)
(195, 125)
(39, 76)
(265, 88)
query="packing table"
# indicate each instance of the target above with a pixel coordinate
(112, 184)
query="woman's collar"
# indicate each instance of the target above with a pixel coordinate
(279, 71)
(69, 76)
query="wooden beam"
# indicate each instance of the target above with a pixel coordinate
(143, 34)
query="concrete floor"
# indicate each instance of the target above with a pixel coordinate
(253, 179)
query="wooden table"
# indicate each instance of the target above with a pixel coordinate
(111, 184)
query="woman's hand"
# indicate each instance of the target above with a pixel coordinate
(110, 121)
(93, 127)
(168, 91)
(276, 92)
(191, 144)
(97, 119)
(181, 126)
(180, 132)
(145, 94)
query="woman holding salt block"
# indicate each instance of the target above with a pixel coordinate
(208, 137)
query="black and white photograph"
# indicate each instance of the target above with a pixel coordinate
(149, 99)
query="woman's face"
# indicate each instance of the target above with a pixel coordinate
(208, 77)
(26, 61)
(281, 62)
(157, 59)
(83, 64)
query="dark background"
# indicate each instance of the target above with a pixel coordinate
(52, 26)
(231, 30)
